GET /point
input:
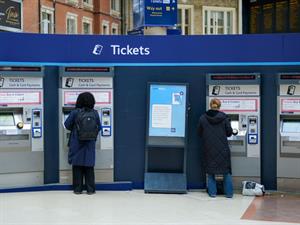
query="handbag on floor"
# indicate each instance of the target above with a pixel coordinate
(251, 188)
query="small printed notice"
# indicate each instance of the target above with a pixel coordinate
(253, 153)
(20, 97)
(177, 98)
(239, 105)
(290, 105)
(101, 97)
(161, 116)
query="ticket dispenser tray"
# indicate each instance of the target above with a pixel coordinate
(290, 137)
(15, 135)
(237, 143)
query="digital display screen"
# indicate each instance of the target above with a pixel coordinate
(7, 119)
(290, 77)
(87, 69)
(233, 77)
(13, 68)
(292, 126)
(167, 110)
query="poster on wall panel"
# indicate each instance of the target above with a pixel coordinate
(11, 15)
(167, 110)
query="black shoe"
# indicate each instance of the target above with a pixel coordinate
(77, 192)
(91, 192)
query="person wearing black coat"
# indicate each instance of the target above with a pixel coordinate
(214, 127)
(81, 154)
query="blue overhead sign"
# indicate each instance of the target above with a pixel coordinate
(151, 50)
(154, 13)
(160, 12)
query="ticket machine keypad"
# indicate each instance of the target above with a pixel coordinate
(36, 123)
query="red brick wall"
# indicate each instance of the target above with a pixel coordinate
(100, 11)
(30, 16)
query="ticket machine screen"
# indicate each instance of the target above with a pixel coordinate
(7, 119)
(291, 126)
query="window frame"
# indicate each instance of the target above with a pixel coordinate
(105, 23)
(72, 16)
(47, 10)
(224, 10)
(88, 4)
(117, 10)
(72, 2)
(89, 21)
(114, 26)
(183, 8)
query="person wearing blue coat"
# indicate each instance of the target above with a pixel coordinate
(82, 153)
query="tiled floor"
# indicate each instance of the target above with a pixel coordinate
(130, 208)
(276, 207)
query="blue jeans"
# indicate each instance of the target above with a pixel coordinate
(212, 186)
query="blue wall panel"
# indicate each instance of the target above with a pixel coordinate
(130, 118)
(51, 136)
(269, 129)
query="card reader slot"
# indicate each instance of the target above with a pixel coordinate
(236, 142)
(14, 137)
(291, 143)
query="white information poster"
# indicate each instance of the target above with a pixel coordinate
(161, 116)
(16, 97)
(290, 105)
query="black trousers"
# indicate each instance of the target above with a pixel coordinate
(86, 173)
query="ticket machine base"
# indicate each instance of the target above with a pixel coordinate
(165, 183)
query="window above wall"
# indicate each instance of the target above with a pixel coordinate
(219, 20)
(185, 19)
(72, 2)
(114, 29)
(88, 4)
(105, 27)
(87, 25)
(71, 23)
(115, 7)
(47, 20)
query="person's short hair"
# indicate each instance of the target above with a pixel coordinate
(85, 100)
(215, 104)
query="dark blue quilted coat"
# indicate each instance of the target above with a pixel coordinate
(214, 128)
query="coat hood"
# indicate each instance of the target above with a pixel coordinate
(214, 116)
